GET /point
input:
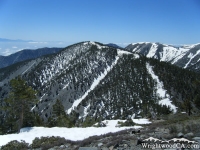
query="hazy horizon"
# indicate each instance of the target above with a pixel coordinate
(51, 22)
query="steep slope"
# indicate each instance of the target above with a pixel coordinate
(95, 82)
(113, 45)
(66, 75)
(25, 55)
(187, 56)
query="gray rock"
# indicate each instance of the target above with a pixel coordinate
(197, 139)
(104, 148)
(189, 135)
(197, 134)
(88, 148)
(100, 144)
(133, 142)
(135, 131)
(54, 148)
(143, 136)
(111, 147)
(126, 145)
(180, 135)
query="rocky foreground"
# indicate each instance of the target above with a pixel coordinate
(165, 129)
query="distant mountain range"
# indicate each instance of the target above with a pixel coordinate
(11, 40)
(187, 56)
(96, 82)
(25, 55)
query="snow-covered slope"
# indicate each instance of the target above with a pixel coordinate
(74, 134)
(187, 56)
(99, 82)
(101, 76)
(164, 98)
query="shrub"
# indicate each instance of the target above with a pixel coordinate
(193, 127)
(173, 129)
(128, 122)
(15, 145)
(48, 142)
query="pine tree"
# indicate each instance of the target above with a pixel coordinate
(17, 105)
(188, 106)
(59, 117)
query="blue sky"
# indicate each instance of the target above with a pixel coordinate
(116, 21)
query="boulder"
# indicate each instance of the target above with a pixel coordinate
(133, 142)
(188, 135)
(197, 139)
(100, 144)
(111, 147)
(104, 148)
(88, 148)
(180, 135)
(135, 131)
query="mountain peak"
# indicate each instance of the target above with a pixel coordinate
(186, 56)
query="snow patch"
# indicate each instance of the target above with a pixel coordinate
(152, 50)
(65, 86)
(140, 43)
(91, 42)
(94, 84)
(170, 53)
(191, 46)
(85, 110)
(141, 121)
(121, 52)
(191, 57)
(74, 134)
(28, 68)
(35, 105)
(165, 100)
(98, 46)
(99, 78)
(114, 123)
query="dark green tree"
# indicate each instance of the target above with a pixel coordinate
(59, 118)
(17, 105)
(188, 106)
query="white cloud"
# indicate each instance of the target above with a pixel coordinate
(37, 42)
(7, 52)
(126, 43)
(19, 50)
(122, 43)
(33, 42)
(14, 47)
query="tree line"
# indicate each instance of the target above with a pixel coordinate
(16, 111)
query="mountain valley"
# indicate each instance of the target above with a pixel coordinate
(92, 84)
(96, 82)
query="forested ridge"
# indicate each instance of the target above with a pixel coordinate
(111, 83)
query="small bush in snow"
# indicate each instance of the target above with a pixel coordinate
(173, 129)
(48, 142)
(15, 145)
(128, 122)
